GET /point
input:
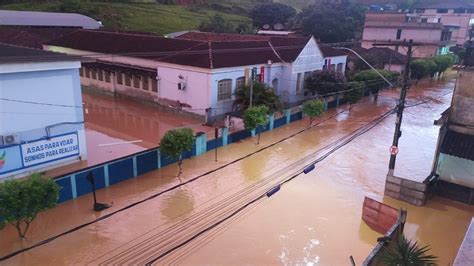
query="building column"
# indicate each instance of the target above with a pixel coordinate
(287, 113)
(201, 144)
(271, 119)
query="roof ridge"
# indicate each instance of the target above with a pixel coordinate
(136, 34)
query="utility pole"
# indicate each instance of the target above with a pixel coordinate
(401, 102)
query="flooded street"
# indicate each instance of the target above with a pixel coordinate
(313, 219)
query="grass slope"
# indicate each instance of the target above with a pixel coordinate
(151, 17)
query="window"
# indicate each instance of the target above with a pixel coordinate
(224, 90)
(94, 73)
(128, 79)
(424, 20)
(100, 74)
(460, 11)
(339, 68)
(305, 77)
(119, 78)
(145, 83)
(136, 81)
(81, 72)
(154, 85)
(442, 10)
(87, 72)
(420, 10)
(299, 82)
(107, 76)
(239, 82)
(399, 34)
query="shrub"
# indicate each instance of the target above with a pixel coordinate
(313, 109)
(255, 117)
(175, 142)
(261, 96)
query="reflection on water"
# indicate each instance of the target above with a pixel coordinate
(177, 203)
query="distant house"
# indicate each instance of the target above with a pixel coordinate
(384, 26)
(378, 57)
(454, 159)
(455, 13)
(197, 75)
(42, 124)
(32, 29)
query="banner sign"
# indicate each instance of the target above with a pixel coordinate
(49, 150)
(17, 157)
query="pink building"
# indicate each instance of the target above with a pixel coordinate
(385, 26)
(455, 13)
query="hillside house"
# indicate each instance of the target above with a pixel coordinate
(42, 124)
(196, 76)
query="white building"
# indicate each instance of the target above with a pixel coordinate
(46, 19)
(198, 76)
(41, 119)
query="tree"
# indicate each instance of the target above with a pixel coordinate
(255, 117)
(271, 13)
(175, 142)
(443, 62)
(217, 24)
(313, 109)
(407, 253)
(22, 199)
(422, 68)
(262, 95)
(354, 92)
(333, 21)
(373, 81)
(324, 82)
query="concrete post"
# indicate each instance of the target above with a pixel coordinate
(338, 98)
(287, 113)
(253, 132)
(271, 119)
(325, 101)
(225, 134)
(201, 144)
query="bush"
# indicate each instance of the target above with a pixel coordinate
(324, 82)
(313, 109)
(355, 92)
(373, 81)
(255, 117)
(175, 142)
(22, 199)
(261, 96)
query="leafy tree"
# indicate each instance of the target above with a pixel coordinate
(262, 95)
(22, 199)
(373, 81)
(271, 13)
(407, 253)
(255, 117)
(355, 92)
(443, 62)
(422, 68)
(313, 109)
(324, 82)
(333, 20)
(175, 142)
(217, 24)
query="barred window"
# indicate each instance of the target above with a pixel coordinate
(145, 83)
(81, 72)
(224, 90)
(128, 79)
(119, 78)
(154, 85)
(107, 76)
(87, 72)
(136, 81)
(239, 82)
(94, 73)
(100, 74)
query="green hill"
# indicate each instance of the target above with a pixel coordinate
(152, 17)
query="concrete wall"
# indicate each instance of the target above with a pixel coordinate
(50, 94)
(406, 190)
(462, 20)
(462, 107)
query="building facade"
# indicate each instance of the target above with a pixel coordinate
(455, 13)
(454, 160)
(42, 124)
(196, 76)
(395, 26)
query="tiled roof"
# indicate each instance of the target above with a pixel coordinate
(30, 37)
(449, 4)
(383, 54)
(459, 145)
(16, 54)
(205, 52)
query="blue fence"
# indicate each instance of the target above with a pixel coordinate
(75, 184)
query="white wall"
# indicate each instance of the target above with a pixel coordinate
(456, 170)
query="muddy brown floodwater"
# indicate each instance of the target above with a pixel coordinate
(314, 219)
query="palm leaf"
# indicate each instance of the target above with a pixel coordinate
(407, 253)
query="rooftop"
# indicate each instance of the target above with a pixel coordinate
(16, 54)
(205, 50)
(30, 37)
(459, 145)
(448, 4)
(46, 19)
